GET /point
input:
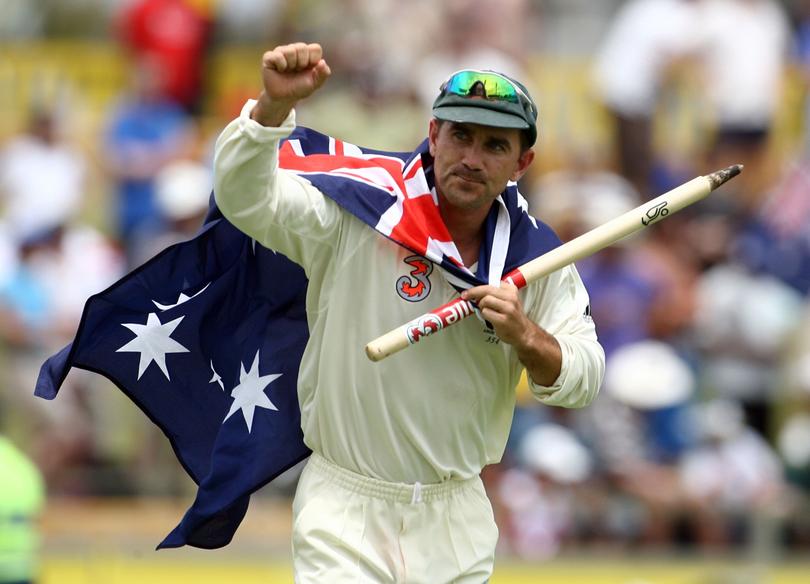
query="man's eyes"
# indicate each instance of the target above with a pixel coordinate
(493, 145)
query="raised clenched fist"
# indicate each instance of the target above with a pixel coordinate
(289, 73)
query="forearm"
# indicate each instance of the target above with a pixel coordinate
(541, 355)
(276, 207)
(246, 178)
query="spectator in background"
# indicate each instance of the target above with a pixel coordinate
(671, 269)
(8, 253)
(22, 497)
(254, 20)
(732, 479)
(743, 322)
(42, 178)
(145, 132)
(639, 430)
(539, 500)
(801, 59)
(182, 190)
(173, 35)
(793, 442)
(49, 269)
(41, 302)
(792, 433)
(59, 267)
(743, 52)
(472, 39)
(645, 41)
(775, 236)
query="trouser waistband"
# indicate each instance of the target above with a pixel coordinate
(394, 492)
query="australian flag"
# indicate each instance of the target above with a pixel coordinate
(206, 337)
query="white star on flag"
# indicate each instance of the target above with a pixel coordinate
(249, 394)
(216, 378)
(180, 299)
(153, 341)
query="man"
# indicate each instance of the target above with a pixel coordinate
(646, 42)
(392, 491)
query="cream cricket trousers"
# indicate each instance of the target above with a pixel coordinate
(351, 528)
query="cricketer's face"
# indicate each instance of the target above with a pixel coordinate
(473, 163)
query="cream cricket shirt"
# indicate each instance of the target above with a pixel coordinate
(442, 408)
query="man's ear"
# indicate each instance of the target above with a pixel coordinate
(524, 162)
(433, 135)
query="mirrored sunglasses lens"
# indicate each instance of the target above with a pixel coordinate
(473, 84)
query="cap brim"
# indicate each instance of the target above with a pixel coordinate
(481, 116)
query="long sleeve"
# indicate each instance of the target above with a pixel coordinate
(279, 209)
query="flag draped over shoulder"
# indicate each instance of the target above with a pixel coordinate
(207, 336)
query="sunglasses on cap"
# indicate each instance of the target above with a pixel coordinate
(487, 85)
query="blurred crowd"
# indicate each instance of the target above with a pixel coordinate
(701, 435)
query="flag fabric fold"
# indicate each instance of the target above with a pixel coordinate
(207, 336)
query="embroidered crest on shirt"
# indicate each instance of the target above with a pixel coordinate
(416, 285)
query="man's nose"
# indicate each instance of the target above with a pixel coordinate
(472, 158)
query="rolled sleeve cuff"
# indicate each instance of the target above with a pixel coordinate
(258, 133)
(572, 388)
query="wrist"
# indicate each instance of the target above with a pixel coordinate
(271, 112)
(541, 354)
(529, 339)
